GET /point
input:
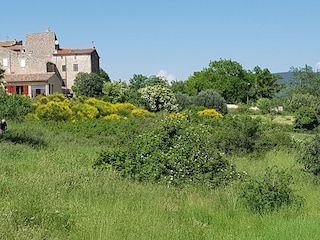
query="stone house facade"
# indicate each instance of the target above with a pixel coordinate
(41, 66)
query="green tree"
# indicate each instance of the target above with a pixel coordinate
(178, 86)
(88, 84)
(104, 75)
(263, 84)
(154, 80)
(305, 80)
(230, 79)
(138, 81)
(116, 91)
(200, 81)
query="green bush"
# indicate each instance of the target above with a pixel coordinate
(305, 118)
(173, 152)
(211, 99)
(56, 111)
(235, 134)
(310, 157)
(269, 192)
(14, 106)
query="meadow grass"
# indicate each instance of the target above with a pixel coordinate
(49, 190)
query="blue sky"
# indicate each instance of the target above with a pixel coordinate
(175, 38)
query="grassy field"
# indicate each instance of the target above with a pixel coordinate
(49, 190)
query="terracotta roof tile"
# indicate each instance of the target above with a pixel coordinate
(73, 51)
(10, 43)
(27, 77)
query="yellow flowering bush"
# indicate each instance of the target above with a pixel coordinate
(104, 108)
(58, 111)
(84, 111)
(177, 115)
(129, 106)
(142, 113)
(112, 116)
(210, 113)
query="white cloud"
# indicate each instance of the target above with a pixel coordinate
(317, 65)
(165, 75)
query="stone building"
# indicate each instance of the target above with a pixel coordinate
(40, 66)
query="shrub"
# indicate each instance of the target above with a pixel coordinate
(104, 108)
(142, 113)
(306, 118)
(210, 113)
(236, 134)
(269, 192)
(211, 99)
(14, 106)
(84, 111)
(173, 152)
(158, 98)
(310, 157)
(183, 100)
(57, 111)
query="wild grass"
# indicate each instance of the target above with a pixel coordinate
(48, 190)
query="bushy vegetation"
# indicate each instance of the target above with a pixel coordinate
(270, 191)
(174, 152)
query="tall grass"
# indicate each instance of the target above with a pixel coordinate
(48, 190)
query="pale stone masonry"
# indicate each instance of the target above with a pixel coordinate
(40, 55)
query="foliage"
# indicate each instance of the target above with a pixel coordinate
(158, 98)
(269, 192)
(14, 106)
(138, 81)
(263, 84)
(88, 84)
(211, 99)
(84, 111)
(183, 100)
(173, 152)
(104, 108)
(57, 111)
(304, 81)
(178, 86)
(310, 157)
(264, 104)
(116, 91)
(210, 113)
(235, 134)
(233, 82)
(104, 75)
(305, 118)
(142, 113)
(297, 100)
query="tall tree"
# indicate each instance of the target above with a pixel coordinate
(88, 84)
(138, 81)
(263, 84)
(104, 75)
(305, 80)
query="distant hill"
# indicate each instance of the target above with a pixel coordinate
(286, 77)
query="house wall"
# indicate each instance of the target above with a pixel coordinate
(54, 85)
(86, 63)
(39, 48)
(10, 60)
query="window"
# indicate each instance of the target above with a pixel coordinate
(5, 62)
(19, 90)
(64, 68)
(75, 67)
(22, 62)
